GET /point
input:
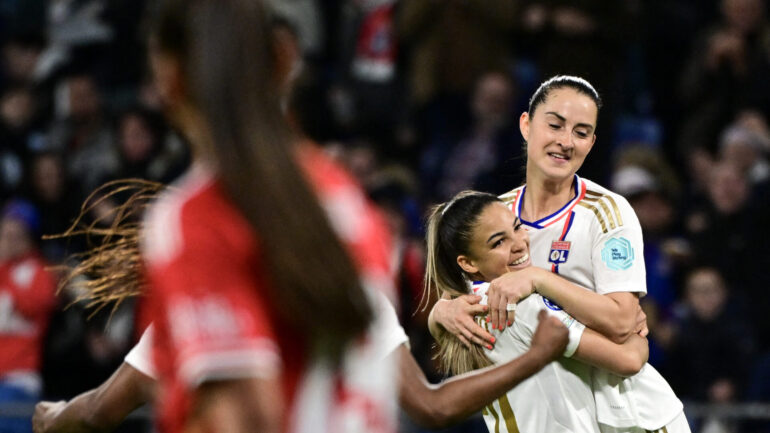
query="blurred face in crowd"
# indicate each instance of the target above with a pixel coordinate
(559, 135)
(706, 293)
(16, 108)
(84, 99)
(492, 99)
(15, 240)
(499, 243)
(728, 189)
(48, 177)
(136, 139)
(654, 211)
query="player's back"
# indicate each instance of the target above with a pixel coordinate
(208, 273)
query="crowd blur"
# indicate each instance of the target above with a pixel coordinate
(420, 99)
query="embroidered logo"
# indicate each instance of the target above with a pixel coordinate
(559, 252)
(618, 254)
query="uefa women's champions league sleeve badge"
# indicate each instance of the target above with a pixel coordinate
(559, 252)
(618, 254)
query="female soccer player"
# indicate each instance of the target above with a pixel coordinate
(474, 237)
(578, 229)
(261, 315)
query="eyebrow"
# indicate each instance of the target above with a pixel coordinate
(564, 119)
(494, 235)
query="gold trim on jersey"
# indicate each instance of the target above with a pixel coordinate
(507, 412)
(491, 409)
(509, 197)
(598, 215)
(597, 203)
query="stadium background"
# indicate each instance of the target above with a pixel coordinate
(420, 99)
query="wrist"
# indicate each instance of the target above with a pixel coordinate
(538, 279)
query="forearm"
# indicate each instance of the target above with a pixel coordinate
(72, 417)
(436, 406)
(611, 315)
(622, 359)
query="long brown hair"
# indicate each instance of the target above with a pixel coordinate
(228, 57)
(450, 229)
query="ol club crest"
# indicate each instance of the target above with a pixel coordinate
(559, 252)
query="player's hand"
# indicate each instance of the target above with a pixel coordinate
(45, 412)
(641, 322)
(508, 289)
(550, 339)
(456, 316)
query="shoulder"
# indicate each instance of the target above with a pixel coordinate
(511, 196)
(185, 208)
(610, 211)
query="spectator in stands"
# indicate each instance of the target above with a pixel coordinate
(26, 300)
(713, 345)
(82, 133)
(449, 44)
(716, 83)
(725, 235)
(483, 157)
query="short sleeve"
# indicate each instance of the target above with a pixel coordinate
(618, 254)
(140, 356)
(209, 291)
(387, 325)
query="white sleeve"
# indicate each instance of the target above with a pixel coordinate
(618, 254)
(526, 315)
(391, 333)
(140, 356)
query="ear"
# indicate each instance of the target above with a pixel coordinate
(466, 264)
(524, 125)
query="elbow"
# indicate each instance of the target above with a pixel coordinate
(433, 414)
(620, 332)
(630, 365)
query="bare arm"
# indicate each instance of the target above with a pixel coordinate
(98, 410)
(439, 405)
(622, 359)
(614, 315)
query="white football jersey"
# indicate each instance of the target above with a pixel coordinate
(595, 241)
(556, 399)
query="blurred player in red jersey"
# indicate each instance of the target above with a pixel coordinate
(26, 300)
(262, 317)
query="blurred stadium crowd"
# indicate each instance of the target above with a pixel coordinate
(420, 99)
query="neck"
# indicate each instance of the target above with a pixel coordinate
(545, 196)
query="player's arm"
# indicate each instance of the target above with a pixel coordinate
(435, 406)
(614, 315)
(98, 410)
(622, 359)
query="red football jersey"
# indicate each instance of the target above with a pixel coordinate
(214, 321)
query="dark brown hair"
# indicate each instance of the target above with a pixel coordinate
(228, 58)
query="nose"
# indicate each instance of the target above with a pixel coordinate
(520, 241)
(566, 139)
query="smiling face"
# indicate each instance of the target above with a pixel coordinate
(559, 135)
(498, 244)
